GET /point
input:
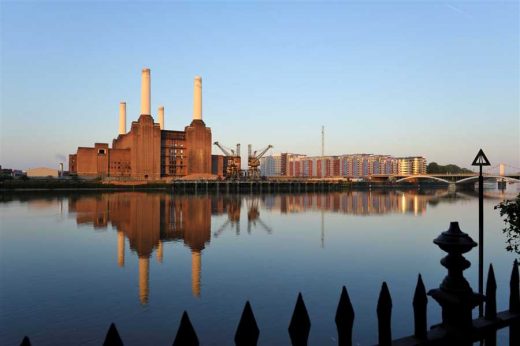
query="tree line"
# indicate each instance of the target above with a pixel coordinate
(435, 168)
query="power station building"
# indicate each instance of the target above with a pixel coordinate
(148, 151)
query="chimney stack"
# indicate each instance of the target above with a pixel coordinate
(161, 116)
(122, 118)
(197, 98)
(145, 92)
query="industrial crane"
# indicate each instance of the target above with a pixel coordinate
(232, 163)
(253, 161)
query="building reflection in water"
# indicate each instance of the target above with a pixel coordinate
(148, 220)
(356, 202)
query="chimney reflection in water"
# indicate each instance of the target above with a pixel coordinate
(120, 249)
(160, 252)
(148, 220)
(144, 268)
(195, 273)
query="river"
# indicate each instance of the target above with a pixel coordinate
(73, 263)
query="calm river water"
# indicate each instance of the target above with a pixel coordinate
(71, 265)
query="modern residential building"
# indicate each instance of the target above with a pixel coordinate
(271, 166)
(350, 166)
(277, 164)
(412, 165)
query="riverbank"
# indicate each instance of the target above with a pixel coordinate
(205, 186)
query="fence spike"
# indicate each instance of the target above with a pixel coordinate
(344, 319)
(26, 341)
(514, 298)
(300, 325)
(420, 302)
(112, 338)
(186, 335)
(247, 331)
(384, 315)
(491, 295)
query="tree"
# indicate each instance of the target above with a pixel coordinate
(511, 210)
(435, 168)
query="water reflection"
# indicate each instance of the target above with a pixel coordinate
(104, 276)
(357, 202)
(148, 220)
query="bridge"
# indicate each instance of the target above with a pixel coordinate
(495, 173)
(458, 178)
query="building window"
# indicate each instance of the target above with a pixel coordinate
(101, 152)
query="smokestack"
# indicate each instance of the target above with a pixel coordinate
(161, 117)
(197, 98)
(145, 92)
(122, 118)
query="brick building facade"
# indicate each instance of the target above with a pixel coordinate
(147, 151)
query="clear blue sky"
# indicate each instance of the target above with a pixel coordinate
(438, 79)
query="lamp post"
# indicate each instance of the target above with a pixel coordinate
(480, 160)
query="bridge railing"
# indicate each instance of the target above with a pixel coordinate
(454, 294)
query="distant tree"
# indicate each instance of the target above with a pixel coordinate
(511, 210)
(435, 168)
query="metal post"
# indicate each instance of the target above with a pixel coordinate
(481, 240)
(481, 160)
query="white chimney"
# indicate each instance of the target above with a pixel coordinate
(160, 112)
(145, 92)
(122, 118)
(197, 98)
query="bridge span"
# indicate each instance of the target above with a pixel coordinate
(457, 178)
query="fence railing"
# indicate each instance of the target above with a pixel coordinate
(454, 295)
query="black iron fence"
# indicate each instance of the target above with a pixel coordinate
(454, 295)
